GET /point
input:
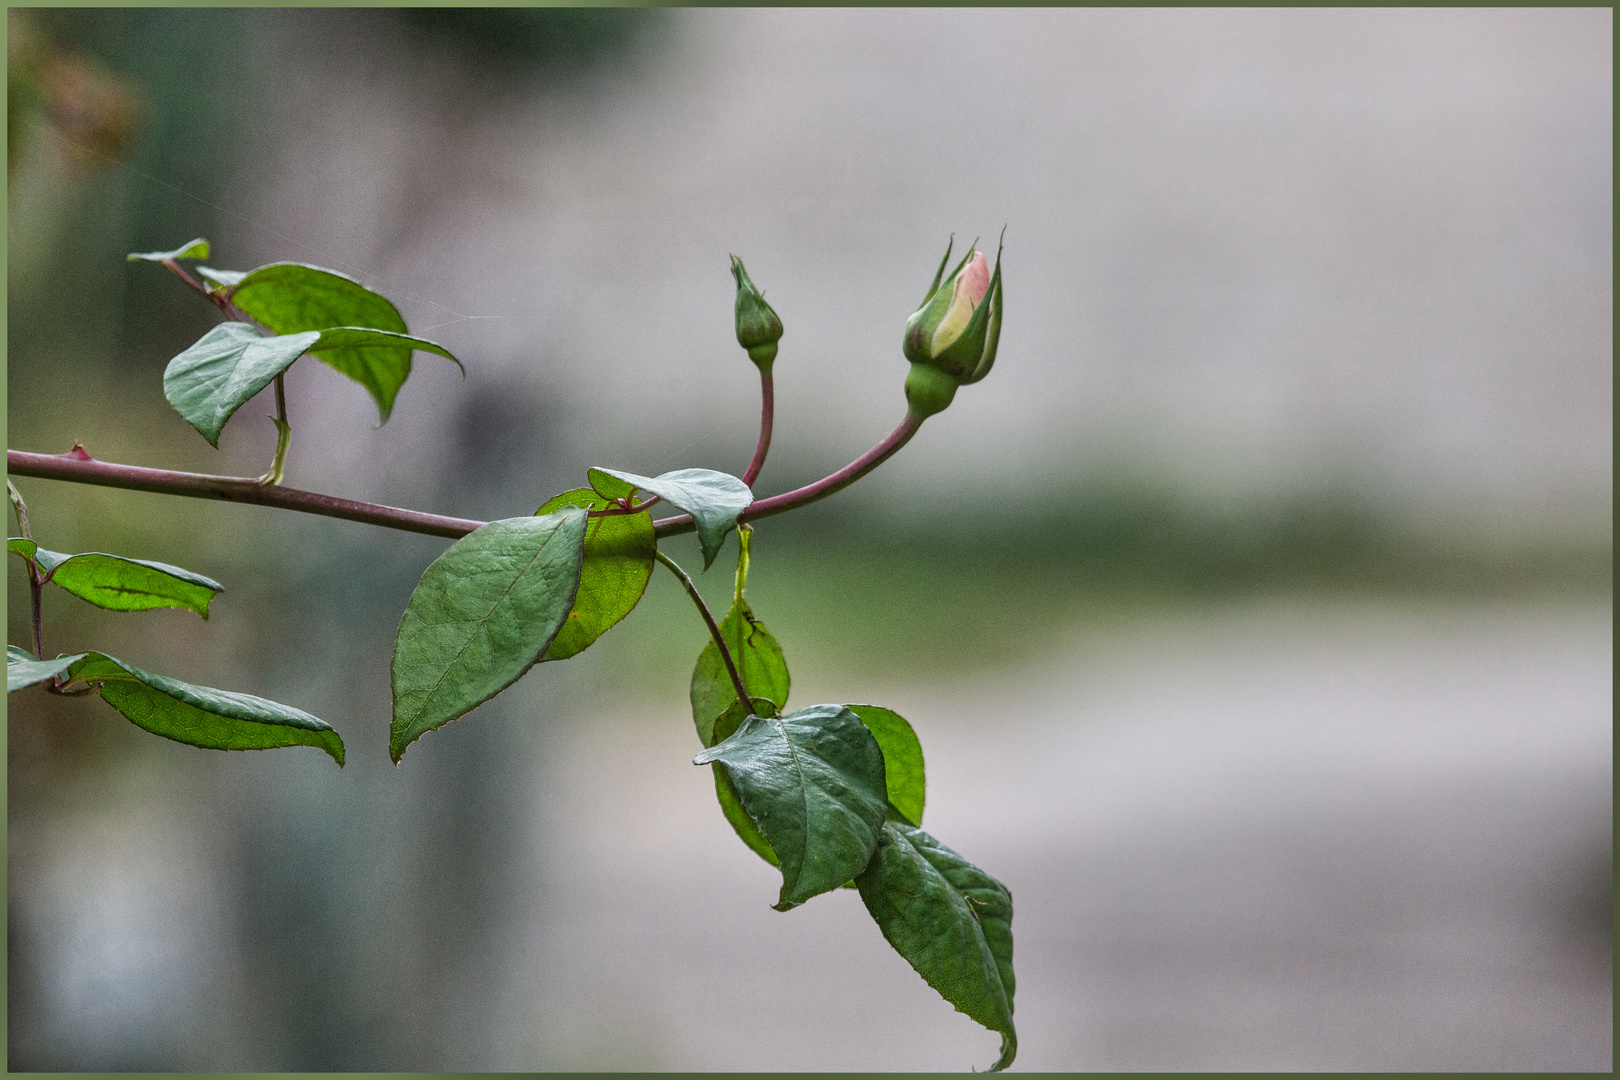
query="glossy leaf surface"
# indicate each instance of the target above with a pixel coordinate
(120, 584)
(902, 759)
(725, 791)
(227, 366)
(951, 921)
(197, 249)
(18, 545)
(714, 499)
(23, 668)
(200, 715)
(759, 661)
(618, 560)
(813, 781)
(484, 612)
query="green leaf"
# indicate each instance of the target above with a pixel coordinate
(200, 715)
(951, 921)
(609, 487)
(813, 781)
(759, 661)
(197, 249)
(18, 545)
(290, 298)
(23, 668)
(484, 612)
(227, 366)
(379, 360)
(120, 584)
(902, 759)
(730, 802)
(619, 551)
(714, 499)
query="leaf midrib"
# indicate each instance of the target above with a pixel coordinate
(804, 796)
(481, 623)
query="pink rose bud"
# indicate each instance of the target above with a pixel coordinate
(951, 339)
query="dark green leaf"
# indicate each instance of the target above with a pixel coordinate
(120, 584)
(290, 298)
(197, 249)
(200, 715)
(902, 759)
(618, 561)
(951, 921)
(17, 545)
(813, 781)
(378, 360)
(714, 499)
(481, 616)
(24, 669)
(759, 661)
(730, 803)
(228, 365)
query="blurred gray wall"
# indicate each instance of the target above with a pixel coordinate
(1246, 250)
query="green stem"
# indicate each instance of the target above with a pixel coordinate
(714, 628)
(283, 434)
(745, 533)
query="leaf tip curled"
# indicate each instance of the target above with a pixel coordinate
(1009, 1050)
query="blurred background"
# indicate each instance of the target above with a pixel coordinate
(1255, 614)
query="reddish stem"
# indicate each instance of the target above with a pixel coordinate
(792, 500)
(714, 629)
(77, 466)
(767, 418)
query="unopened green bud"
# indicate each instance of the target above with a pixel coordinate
(954, 334)
(758, 328)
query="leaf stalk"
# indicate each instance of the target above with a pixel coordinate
(714, 628)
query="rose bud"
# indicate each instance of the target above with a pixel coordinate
(951, 339)
(758, 328)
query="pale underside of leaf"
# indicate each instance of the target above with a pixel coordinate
(208, 382)
(23, 669)
(714, 499)
(197, 249)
